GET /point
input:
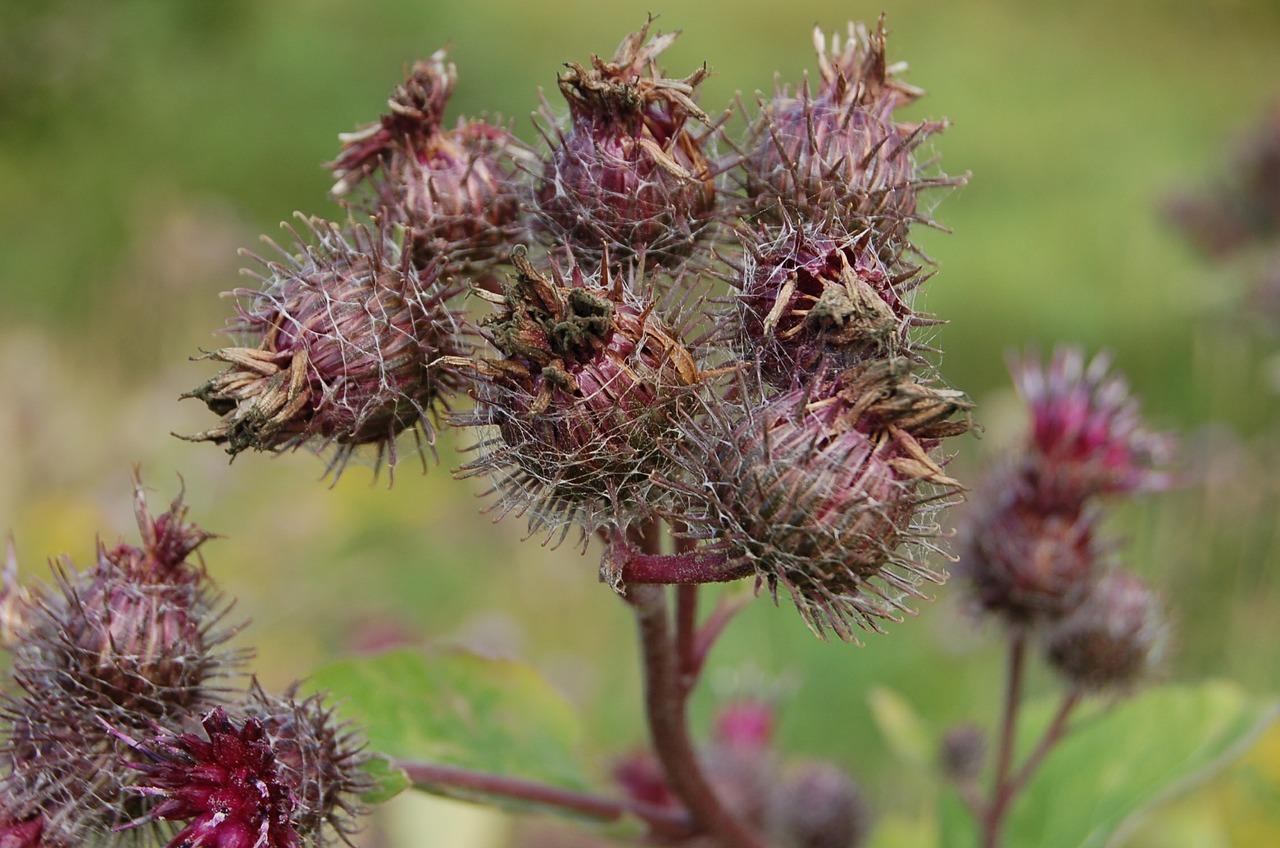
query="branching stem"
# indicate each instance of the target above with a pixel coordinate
(668, 722)
(453, 781)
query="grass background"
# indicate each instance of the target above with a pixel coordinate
(142, 143)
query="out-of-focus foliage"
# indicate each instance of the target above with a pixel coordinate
(141, 143)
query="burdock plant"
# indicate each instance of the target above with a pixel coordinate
(702, 353)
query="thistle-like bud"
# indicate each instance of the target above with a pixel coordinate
(456, 191)
(342, 347)
(227, 785)
(820, 806)
(133, 642)
(964, 753)
(581, 400)
(1025, 563)
(1113, 639)
(270, 772)
(319, 757)
(815, 490)
(1086, 436)
(840, 147)
(1244, 207)
(811, 303)
(627, 176)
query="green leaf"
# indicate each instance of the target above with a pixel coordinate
(1117, 762)
(901, 726)
(388, 780)
(458, 709)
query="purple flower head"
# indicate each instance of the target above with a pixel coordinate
(226, 785)
(135, 641)
(816, 489)
(23, 832)
(581, 399)
(456, 191)
(1114, 637)
(627, 176)
(1023, 563)
(840, 148)
(813, 300)
(1243, 207)
(1086, 437)
(342, 348)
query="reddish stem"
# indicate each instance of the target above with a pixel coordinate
(1052, 734)
(993, 822)
(440, 779)
(693, 567)
(690, 663)
(668, 723)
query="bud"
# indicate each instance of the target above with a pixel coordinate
(964, 753)
(1244, 207)
(812, 302)
(320, 758)
(1024, 563)
(1086, 434)
(639, 775)
(1113, 639)
(227, 785)
(819, 806)
(745, 725)
(840, 148)
(267, 771)
(581, 401)
(133, 642)
(627, 176)
(342, 348)
(816, 491)
(456, 191)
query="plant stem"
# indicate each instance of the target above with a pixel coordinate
(440, 779)
(1052, 734)
(993, 822)
(681, 568)
(668, 722)
(690, 663)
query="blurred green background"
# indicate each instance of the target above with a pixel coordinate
(143, 142)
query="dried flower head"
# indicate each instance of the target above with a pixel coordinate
(840, 148)
(581, 400)
(456, 191)
(627, 175)
(816, 493)
(343, 348)
(813, 300)
(1087, 437)
(1113, 638)
(136, 640)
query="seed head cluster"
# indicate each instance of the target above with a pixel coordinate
(113, 668)
(668, 323)
(1033, 554)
